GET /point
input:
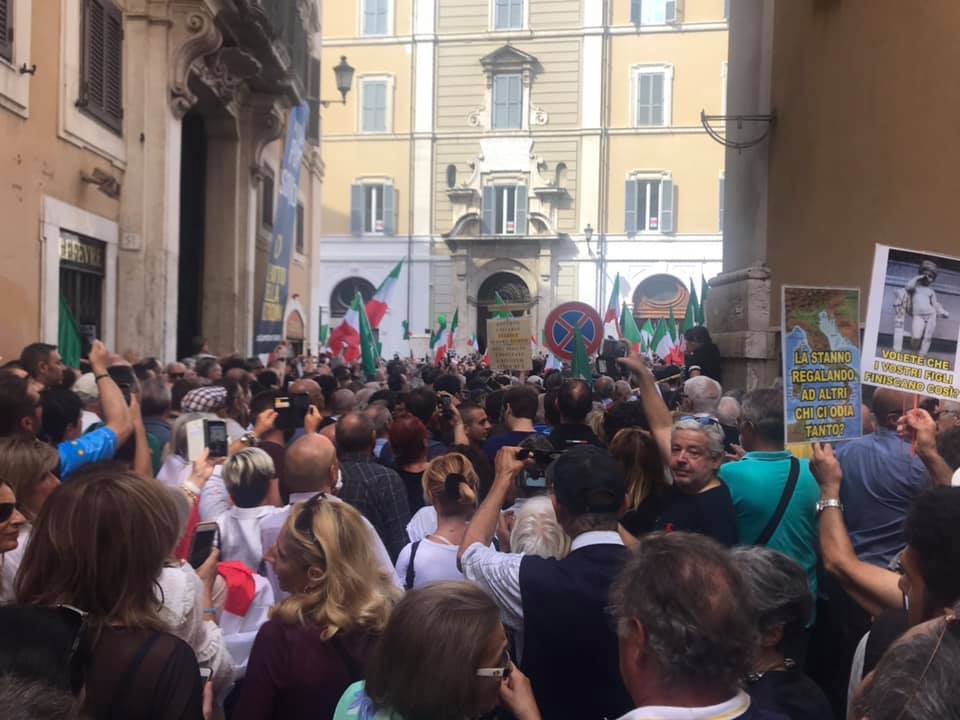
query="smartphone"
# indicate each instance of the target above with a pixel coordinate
(125, 389)
(291, 411)
(205, 674)
(205, 539)
(211, 434)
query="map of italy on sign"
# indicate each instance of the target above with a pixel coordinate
(508, 343)
(821, 364)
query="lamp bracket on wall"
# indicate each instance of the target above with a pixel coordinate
(766, 123)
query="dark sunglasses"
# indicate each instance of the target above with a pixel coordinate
(6, 511)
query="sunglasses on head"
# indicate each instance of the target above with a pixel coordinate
(702, 419)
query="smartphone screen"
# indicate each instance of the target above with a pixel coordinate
(204, 540)
(205, 674)
(216, 431)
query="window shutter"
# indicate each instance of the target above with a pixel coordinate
(522, 209)
(101, 79)
(301, 230)
(500, 110)
(501, 18)
(357, 200)
(636, 8)
(722, 199)
(382, 16)
(389, 210)
(673, 11)
(489, 208)
(313, 99)
(113, 67)
(6, 29)
(630, 217)
(515, 90)
(516, 14)
(380, 107)
(666, 206)
(656, 99)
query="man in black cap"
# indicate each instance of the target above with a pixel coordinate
(570, 647)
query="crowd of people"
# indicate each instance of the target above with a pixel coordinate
(441, 542)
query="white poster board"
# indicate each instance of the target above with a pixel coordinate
(913, 323)
(508, 343)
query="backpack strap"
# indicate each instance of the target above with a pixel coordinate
(785, 499)
(411, 573)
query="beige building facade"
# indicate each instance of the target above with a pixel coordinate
(143, 143)
(531, 148)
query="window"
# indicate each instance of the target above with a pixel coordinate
(655, 12)
(723, 179)
(313, 99)
(374, 112)
(649, 205)
(505, 210)
(375, 17)
(373, 209)
(266, 199)
(6, 29)
(649, 98)
(508, 14)
(101, 63)
(300, 229)
(507, 102)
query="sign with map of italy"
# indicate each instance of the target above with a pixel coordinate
(821, 364)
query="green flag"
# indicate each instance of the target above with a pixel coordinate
(662, 342)
(324, 335)
(672, 327)
(695, 302)
(501, 314)
(406, 329)
(629, 330)
(369, 351)
(704, 291)
(580, 366)
(690, 319)
(68, 338)
(646, 334)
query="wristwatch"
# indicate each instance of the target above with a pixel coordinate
(832, 503)
(249, 439)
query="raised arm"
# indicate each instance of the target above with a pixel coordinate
(484, 522)
(918, 425)
(116, 415)
(874, 588)
(661, 422)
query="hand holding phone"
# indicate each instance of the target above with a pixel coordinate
(205, 539)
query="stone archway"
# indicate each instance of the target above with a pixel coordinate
(511, 288)
(343, 293)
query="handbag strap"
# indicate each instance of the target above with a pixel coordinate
(411, 573)
(788, 491)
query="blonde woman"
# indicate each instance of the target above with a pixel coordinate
(317, 640)
(28, 467)
(636, 451)
(450, 486)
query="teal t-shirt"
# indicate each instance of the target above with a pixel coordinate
(756, 483)
(355, 705)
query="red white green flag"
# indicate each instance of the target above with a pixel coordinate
(380, 302)
(438, 344)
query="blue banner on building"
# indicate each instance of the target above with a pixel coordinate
(269, 329)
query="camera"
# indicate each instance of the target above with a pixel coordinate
(540, 453)
(607, 359)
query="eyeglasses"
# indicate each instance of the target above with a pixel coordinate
(702, 419)
(500, 673)
(949, 623)
(6, 511)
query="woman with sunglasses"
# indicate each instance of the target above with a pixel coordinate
(318, 639)
(98, 545)
(11, 525)
(462, 669)
(29, 469)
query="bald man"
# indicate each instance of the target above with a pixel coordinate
(311, 466)
(881, 478)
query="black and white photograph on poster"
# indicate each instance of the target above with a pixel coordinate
(913, 323)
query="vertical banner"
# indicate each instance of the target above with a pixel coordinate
(821, 364)
(911, 338)
(269, 329)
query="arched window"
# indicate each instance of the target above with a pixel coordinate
(510, 288)
(657, 294)
(342, 296)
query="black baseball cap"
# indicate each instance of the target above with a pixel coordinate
(587, 479)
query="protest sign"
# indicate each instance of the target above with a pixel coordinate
(508, 343)
(821, 364)
(911, 337)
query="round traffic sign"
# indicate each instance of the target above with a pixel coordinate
(561, 323)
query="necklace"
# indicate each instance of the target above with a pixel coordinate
(441, 538)
(785, 664)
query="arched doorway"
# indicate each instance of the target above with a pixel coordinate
(343, 293)
(510, 288)
(657, 295)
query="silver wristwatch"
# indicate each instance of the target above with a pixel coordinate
(824, 504)
(249, 439)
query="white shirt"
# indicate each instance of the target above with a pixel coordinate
(88, 419)
(240, 534)
(182, 612)
(499, 573)
(270, 531)
(175, 471)
(214, 498)
(10, 563)
(729, 710)
(423, 523)
(435, 562)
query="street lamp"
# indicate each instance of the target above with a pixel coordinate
(588, 236)
(344, 75)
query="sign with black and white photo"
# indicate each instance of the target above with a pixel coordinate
(913, 323)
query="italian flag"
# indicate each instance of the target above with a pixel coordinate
(473, 343)
(452, 338)
(613, 307)
(501, 314)
(646, 337)
(438, 343)
(380, 302)
(662, 342)
(629, 330)
(353, 337)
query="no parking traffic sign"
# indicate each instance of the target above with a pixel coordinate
(561, 322)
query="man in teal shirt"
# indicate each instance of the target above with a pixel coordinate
(758, 480)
